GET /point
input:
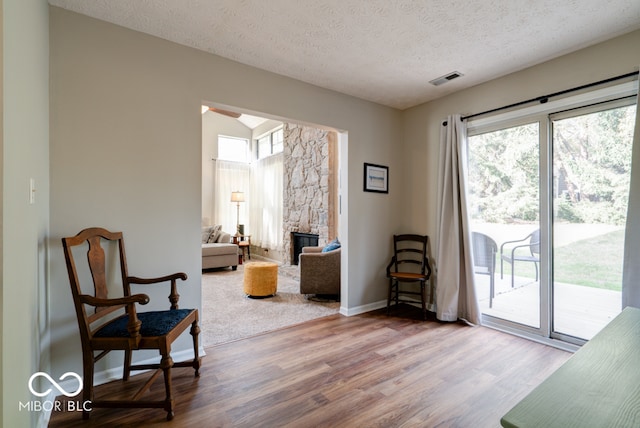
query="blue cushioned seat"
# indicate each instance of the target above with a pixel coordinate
(154, 323)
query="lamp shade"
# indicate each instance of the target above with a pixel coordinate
(237, 196)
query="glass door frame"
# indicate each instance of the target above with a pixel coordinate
(542, 115)
(560, 115)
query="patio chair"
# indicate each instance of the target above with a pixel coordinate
(484, 259)
(532, 243)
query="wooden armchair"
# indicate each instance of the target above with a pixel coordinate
(108, 324)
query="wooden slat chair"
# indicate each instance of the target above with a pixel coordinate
(410, 264)
(108, 324)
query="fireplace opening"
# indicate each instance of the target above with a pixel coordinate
(300, 240)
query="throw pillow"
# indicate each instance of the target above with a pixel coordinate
(333, 245)
(206, 232)
(215, 234)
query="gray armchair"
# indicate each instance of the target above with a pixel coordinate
(319, 272)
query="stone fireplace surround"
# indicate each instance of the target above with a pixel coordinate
(309, 185)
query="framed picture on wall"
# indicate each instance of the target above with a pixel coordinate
(376, 178)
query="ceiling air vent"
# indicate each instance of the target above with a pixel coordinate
(446, 78)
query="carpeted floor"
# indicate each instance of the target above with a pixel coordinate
(228, 315)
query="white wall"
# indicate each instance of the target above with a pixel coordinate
(126, 154)
(422, 124)
(25, 333)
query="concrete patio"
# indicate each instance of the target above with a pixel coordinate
(579, 311)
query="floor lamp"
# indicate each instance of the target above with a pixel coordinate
(237, 197)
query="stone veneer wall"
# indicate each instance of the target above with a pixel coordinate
(310, 185)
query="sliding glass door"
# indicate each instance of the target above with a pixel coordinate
(591, 175)
(548, 204)
(505, 216)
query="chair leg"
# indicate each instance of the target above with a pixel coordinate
(165, 364)
(127, 365)
(513, 266)
(492, 289)
(389, 296)
(87, 392)
(423, 297)
(397, 292)
(195, 331)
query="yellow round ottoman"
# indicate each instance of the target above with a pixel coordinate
(260, 279)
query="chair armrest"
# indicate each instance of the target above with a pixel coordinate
(510, 242)
(311, 250)
(174, 297)
(428, 266)
(134, 324)
(172, 277)
(320, 257)
(513, 250)
(391, 263)
(143, 299)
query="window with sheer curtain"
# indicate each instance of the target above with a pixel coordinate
(261, 213)
(266, 202)
(230, 177)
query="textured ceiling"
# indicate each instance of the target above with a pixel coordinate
(384, 51)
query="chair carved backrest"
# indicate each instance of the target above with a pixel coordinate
(410, 253)
(96, 262)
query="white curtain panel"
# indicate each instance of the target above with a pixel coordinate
(267, 202)
(455, 288)
(230, 177)
(631, 266)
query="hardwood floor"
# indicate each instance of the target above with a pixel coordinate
(369, 370)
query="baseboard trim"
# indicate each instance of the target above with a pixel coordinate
(349, 312)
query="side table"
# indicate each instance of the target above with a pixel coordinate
(244, 243)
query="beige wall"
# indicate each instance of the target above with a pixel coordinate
(126, 154)
(25, 155)
(422, 124)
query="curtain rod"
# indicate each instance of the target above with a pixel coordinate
(544, 98)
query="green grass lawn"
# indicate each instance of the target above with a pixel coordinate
(593, 262)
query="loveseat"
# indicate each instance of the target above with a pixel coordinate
(217, 249)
